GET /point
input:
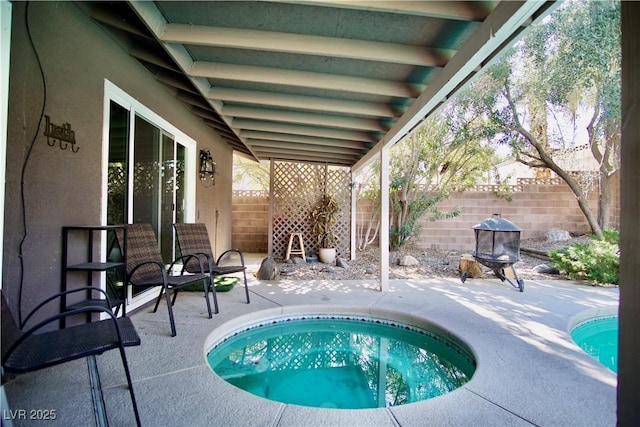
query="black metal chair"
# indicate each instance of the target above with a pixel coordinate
(145, 268)
(193, 239)
(31, 349)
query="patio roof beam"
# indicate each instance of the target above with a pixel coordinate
(156, 22)
(305, 156)
(304, 44)
(302, 102)
(507, 21)
(458, 10)
(259, 144)
(146, 55)
(311, 140)
(307, 79)
(334, 121)
(322, 132)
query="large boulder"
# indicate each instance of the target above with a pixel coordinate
(556, 235)
(268, 269)
(407, 260)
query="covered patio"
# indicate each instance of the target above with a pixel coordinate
(266, 80)
(529, 370)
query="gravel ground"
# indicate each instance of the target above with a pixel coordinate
(432, 263)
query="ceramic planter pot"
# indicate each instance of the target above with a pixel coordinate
(327, 255)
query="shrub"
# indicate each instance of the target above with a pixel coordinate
(597, 262)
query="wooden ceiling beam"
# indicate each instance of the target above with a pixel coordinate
(304, 44)
(305, 118)
(302, 102)
(307, 79)
(314, 131)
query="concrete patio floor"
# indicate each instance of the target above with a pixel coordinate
(529, 370)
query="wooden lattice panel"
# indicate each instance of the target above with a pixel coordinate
(297, 187)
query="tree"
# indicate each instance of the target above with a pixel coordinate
(255, 173)
(572, 67)
(447, 153)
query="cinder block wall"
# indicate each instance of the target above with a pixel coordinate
(536, 208)
(250, 221)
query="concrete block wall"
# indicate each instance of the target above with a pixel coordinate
(536, 209)
(250, 222)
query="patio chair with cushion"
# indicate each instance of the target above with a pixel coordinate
(145, 268)
(27, 349)
(194, 239)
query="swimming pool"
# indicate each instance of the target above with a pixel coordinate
(598, 337)
(333, 360)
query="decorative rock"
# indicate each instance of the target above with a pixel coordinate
(545, 269)
(298, 261)
(469, 266)
(340, 262)
(407, 260)
(327, 269)
(268, 269)
(556, 235)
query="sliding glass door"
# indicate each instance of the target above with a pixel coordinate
(146, 178)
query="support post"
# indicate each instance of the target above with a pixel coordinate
(354, 216)
(271, 201)
(384, 219)
(629, 333)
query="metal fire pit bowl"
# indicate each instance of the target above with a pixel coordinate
(498, 248)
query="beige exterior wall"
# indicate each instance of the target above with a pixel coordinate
(65, 188)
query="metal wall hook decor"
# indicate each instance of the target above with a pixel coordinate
(61, 134)
(207, 166)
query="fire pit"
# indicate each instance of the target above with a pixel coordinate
(498, 247)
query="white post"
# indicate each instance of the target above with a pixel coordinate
(354, 215)
(270, 227)
(384, 219)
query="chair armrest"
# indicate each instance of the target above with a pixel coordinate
(87, 309)
(186, 258)
(238, 251)
(60, 295)
(142, 264)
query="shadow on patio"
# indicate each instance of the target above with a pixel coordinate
(529, 370)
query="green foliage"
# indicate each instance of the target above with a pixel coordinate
(251, 173)
(324, 216)
(444, 155)
(597, 261)
(565, 71)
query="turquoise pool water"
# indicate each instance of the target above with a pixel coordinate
(599, 338)
(341, 363)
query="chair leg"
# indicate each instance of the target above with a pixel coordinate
(155, 308)
(206, 285)
(246, 287)
(123, 356)
(213, 292)
(170, 308)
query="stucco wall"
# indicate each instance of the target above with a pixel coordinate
(62, 187)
